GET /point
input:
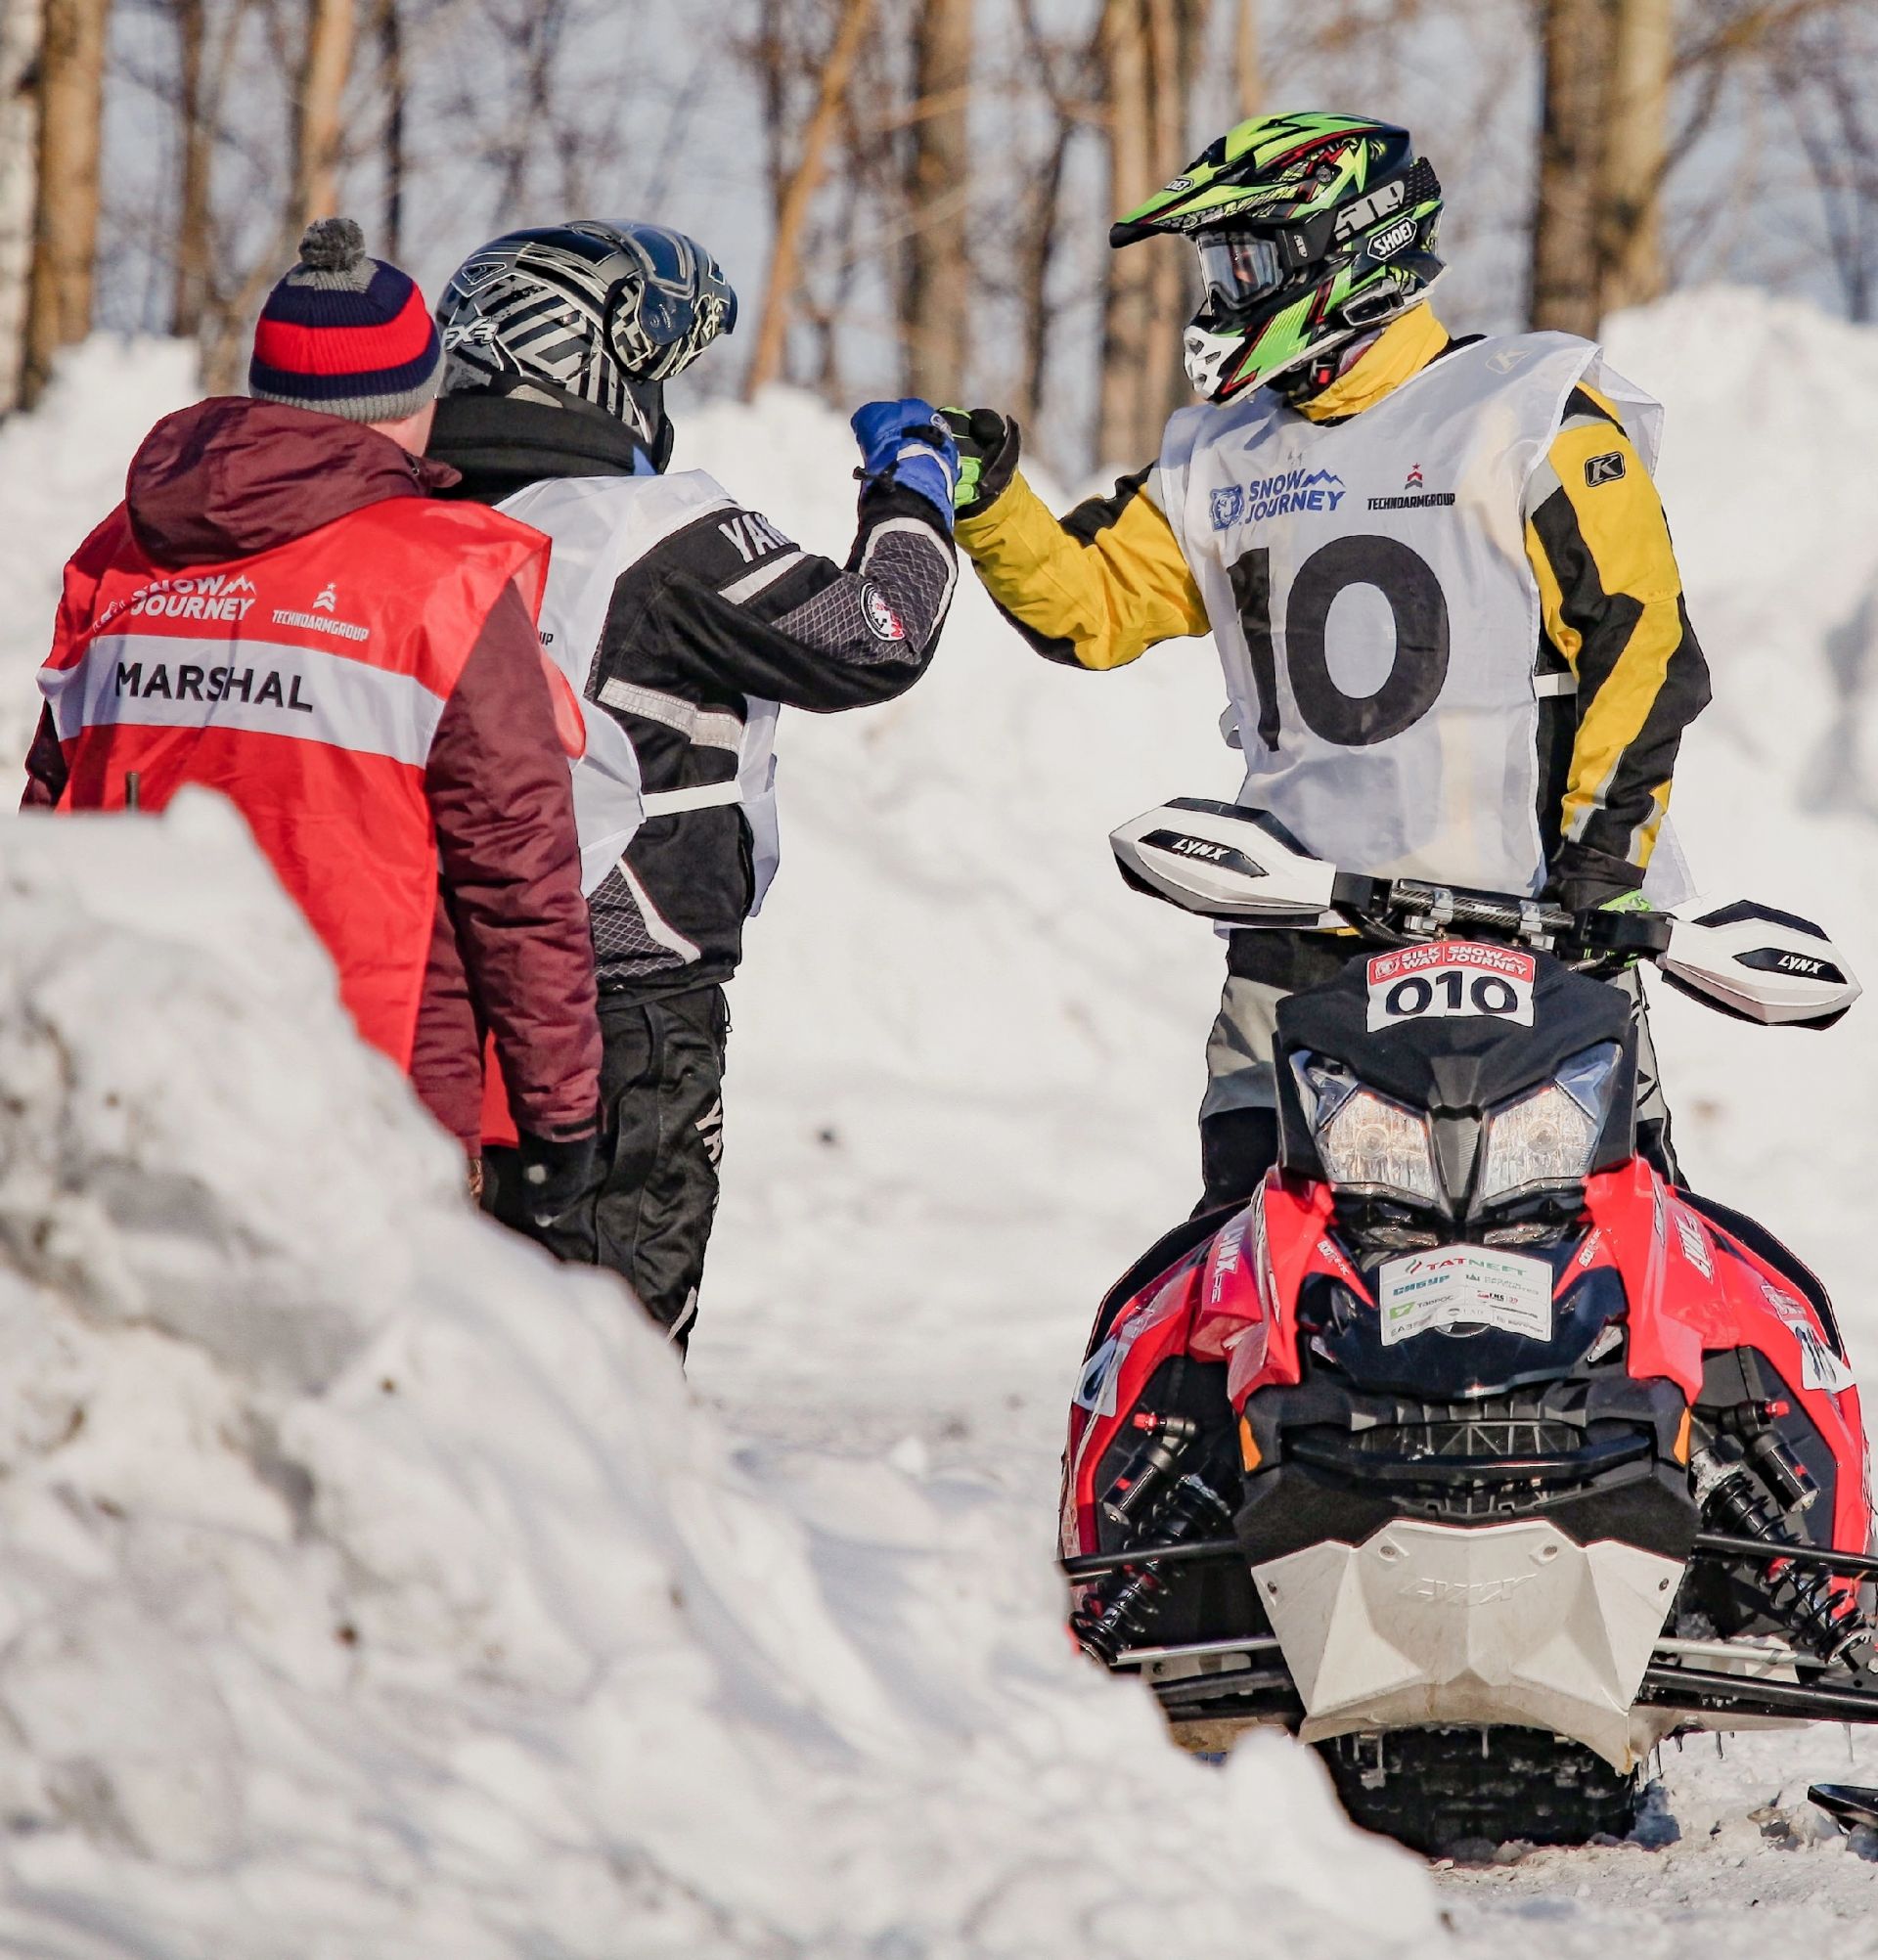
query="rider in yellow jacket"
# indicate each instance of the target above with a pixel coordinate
(1496, 494)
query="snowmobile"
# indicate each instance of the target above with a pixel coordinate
(1472, 1449)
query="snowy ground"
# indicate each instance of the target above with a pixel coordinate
(962, 1078)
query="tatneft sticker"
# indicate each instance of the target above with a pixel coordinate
(1464, 1285)
(1448, 978)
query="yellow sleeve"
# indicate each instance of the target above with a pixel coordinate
(1095, 590)
(1611, 599)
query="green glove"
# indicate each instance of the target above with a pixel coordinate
(988, 445)
(1626, 901)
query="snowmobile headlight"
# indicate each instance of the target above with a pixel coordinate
(1550, 1136)
(1367, 1143)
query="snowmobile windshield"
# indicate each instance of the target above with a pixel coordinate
(1238, 268)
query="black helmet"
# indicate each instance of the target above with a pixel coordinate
(603, 313)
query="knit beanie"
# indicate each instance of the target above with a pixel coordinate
(345, 335)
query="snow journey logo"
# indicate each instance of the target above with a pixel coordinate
(1289, 493)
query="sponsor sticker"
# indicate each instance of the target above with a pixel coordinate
(1386, 244)
(1819, 1366)
(1289, 493)
(882, 621)
(1449, 979)
(1465, 1286)
(1606, 469)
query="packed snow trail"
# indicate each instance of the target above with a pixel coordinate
(960, 1099)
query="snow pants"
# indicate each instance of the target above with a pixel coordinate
(1239, 1112)
(648, 1214)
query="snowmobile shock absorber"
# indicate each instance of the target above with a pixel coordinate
(1169, 1438)
(1741, 1490)
(1145, 1499)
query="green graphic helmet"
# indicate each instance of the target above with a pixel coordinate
(1310, 229)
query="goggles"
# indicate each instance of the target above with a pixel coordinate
(1238, 268)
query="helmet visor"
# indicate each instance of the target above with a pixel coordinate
(1238, 268)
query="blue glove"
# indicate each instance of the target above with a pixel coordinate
(906, 442)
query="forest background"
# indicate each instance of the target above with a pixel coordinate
(913, 193)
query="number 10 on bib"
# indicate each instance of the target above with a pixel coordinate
(1450, 979)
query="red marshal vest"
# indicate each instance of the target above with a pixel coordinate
(306, 684)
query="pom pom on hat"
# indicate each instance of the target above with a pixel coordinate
(345, 335)
(333, 245)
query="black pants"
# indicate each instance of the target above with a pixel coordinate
(648, 1215)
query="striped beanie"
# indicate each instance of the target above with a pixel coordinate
(345, 335)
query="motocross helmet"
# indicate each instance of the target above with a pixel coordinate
(1310, 229)
(605, 314)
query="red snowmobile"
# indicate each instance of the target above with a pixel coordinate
(1471, 1449)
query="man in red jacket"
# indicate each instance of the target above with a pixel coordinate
(278, 610)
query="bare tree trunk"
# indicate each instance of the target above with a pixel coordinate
(1575, 42)
(1128, 301)
(798, 192)
(1635, 151)
(18, 147)
(325, 61)
(64, 226)
(1249, 70)
(1150, 61)
(396, 101)
(934, 315)
(190, 297)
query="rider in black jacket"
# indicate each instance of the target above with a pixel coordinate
(685, 621)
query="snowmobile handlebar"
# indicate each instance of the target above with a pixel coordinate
(1241, 867)
(1410, 910)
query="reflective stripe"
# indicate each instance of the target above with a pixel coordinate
(659, 929)
(751, 582)
(260, 687)
(707, 796)
(708, 727)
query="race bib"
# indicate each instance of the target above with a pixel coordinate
(1448, 978)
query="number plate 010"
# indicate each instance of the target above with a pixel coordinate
(1451, 978)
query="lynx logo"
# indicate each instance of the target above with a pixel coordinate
(1200, 847)
(1797, 962)
(1694, 1242)
(1605, 468)
(1386, 244)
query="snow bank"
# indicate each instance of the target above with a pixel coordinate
(369, 1586)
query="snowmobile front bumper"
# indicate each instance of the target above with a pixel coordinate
(1440, 1626)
